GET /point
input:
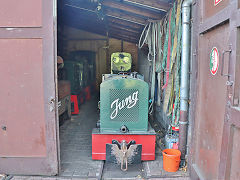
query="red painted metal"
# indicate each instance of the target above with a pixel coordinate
(211, 104)
(24, 13)
(18, 103)
(28, 96)
(210, 9)
(99, 142)
(216, 128)
(74, 100)
(230, 149)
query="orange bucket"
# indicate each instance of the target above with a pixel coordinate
(171, 159)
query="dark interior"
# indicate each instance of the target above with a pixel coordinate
(88, 32)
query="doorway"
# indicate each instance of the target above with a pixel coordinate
(86, 40)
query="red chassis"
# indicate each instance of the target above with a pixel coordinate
(99, 141)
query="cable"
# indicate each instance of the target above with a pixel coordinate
(145, 38)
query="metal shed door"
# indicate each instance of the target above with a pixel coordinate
(216, 131)
(230, 149)
(27, 93)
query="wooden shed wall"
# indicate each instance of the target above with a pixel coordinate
(75, 40)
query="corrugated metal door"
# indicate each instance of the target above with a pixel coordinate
(27, 106)
(216, 127)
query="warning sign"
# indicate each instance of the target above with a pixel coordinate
(214, 61)
(216, 2)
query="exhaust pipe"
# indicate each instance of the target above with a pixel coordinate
(184, 87)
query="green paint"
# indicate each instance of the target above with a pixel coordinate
(129, 100)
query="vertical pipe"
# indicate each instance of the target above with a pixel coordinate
(184, 88)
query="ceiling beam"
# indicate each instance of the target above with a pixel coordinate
(124, 23)
(84, 25)
(116, 26)
(81, 4)
(151, 4)
(74, 14)
(114, 14)
(132, 9)
(122, 33)
(123, 16)
(124, 38)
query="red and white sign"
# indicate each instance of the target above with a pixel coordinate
(216, 2)
(214, 61)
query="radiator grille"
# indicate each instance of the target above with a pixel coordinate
(124, 98)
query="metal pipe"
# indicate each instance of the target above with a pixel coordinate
(184, 88)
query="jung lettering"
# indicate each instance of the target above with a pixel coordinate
(128, 102)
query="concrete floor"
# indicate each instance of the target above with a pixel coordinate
(76, 144)
(75, 138)
(76, 160)
(76, 178)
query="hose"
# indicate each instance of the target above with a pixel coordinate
(149, 36)
(146, 35)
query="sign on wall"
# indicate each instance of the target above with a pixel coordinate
(216, 2)
(214, 60)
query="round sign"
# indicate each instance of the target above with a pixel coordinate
(214, 61)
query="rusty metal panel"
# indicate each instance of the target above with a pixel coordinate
(22, 98)
(24, 13)
(211, 100)
(235, 162)
(211, 8)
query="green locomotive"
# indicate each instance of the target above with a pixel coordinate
(124, 136)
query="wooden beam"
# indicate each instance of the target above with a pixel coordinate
(114, 14)
(126, 36)
(120, 31)
(131, 40)
(151, 4)
(123, 16)
(124, 23)
(123, 34)
(90, 27)
(132, 9)
(124, 26)
(115, 26)
(86, 39)
(81, 4)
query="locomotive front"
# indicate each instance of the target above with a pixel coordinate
(124, 135)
